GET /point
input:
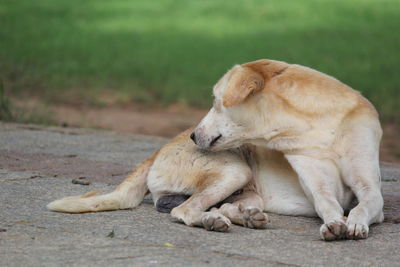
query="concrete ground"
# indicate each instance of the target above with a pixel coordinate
(38, 165)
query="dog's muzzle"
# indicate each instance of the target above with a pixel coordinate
(205, 143)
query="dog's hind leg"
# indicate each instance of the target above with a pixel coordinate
(211, 190)
(245, 209)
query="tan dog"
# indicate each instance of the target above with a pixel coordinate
(298, 142)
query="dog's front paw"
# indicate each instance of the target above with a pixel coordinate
(213, 221)
(254, 218)
(357, 230)
(333, 230)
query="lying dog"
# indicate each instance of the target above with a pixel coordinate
(293, 140)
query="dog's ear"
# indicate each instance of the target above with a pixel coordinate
(242, 82)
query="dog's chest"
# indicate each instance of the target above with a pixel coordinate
(278, 183)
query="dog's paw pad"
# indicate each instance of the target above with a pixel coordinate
(215, 222)
(254, 218)
(357, 231)
(333, 230)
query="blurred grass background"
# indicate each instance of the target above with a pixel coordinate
(173, 51)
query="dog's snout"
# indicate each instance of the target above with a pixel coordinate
(193, 137)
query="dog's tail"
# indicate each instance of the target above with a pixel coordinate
(127, 195)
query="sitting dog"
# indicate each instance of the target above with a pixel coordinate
(293, 140)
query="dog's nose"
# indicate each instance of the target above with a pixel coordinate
(193, 137)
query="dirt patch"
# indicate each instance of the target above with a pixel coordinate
(64, 166)
(390, 146)
(132, 118)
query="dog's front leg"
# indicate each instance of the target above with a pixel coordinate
(321, 183)
(360, 167)
(212, 189)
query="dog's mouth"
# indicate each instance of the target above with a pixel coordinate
(215, 140)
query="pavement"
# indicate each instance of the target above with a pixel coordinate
(39, 164)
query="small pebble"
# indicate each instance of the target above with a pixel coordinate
(81, 182)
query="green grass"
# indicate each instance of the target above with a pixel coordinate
(5, 107)
(168, 51)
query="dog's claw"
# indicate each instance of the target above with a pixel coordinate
(213, 221)
(333, 230)
(254, 218)
(357, 231)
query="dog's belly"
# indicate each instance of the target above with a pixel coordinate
(280, 187)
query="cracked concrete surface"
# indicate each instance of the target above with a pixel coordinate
(37, 165)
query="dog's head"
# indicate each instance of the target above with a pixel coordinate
(235, 113)
(258, 101)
